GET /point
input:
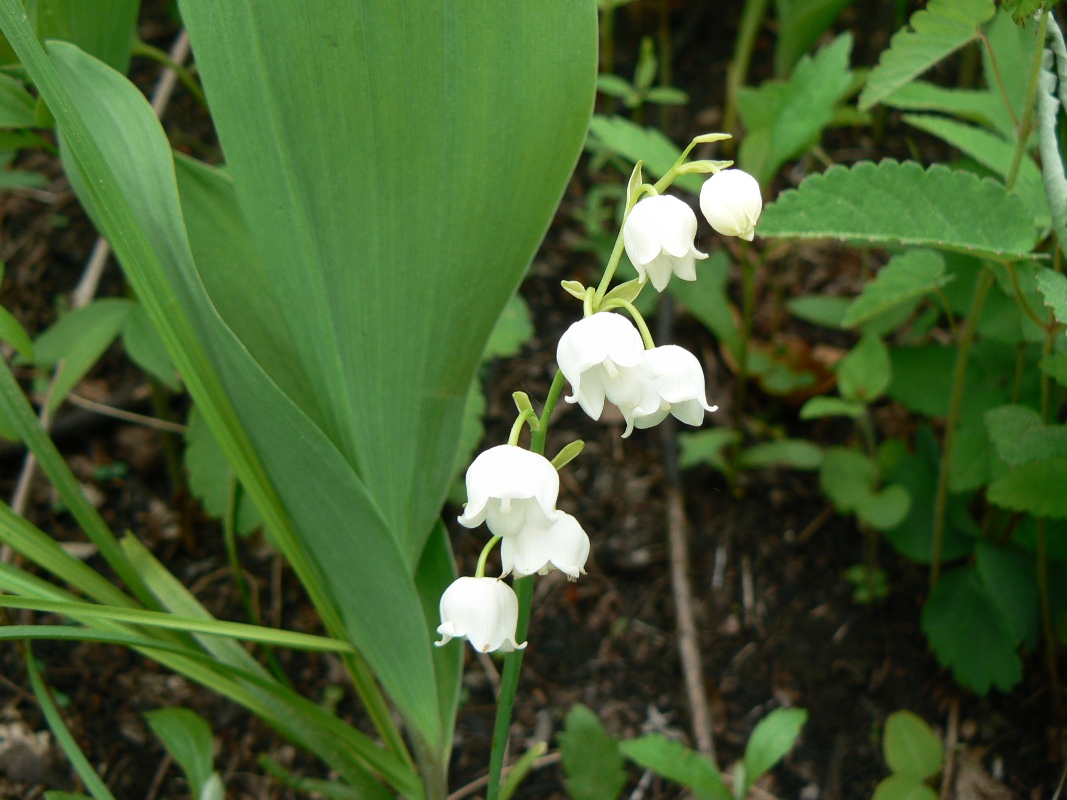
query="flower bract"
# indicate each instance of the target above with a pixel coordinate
(484, 610)
(603, 357)
(658, 235)
(508, 488)
(563, 545)
(732, 202)
(678, 386)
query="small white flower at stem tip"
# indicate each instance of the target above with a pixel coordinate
(659, 238)
(678, 387)
(484, 610)
(563, 545)
(732, 202)
(508, 488)
(603, 358)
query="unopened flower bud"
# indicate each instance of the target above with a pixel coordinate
(484, 610)
(732, 202)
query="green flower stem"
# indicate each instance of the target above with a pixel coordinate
(748, 308)
(609, 270)
(959, 375)
(479, 571)
(642, 326)
(524, 589)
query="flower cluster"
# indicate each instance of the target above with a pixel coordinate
(607, 359)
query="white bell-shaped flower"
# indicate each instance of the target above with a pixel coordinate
(658, 235)
(603, 357)
(485, 610)
(678, 387)
(563, 545)
(732, 202)
(508, 488)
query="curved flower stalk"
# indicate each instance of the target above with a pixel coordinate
(659, 239)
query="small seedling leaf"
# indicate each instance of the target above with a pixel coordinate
(865, 372)
(904, 204)
(911, 748)
(12, 332)
(846, 477)
(903, 787)
(771, 739)
(906, 277)
(591, 759)
(188, 738)
(886, 509)
(676, 762)
(819, 309)
(818, 407)
(706, 447)
(794, 453)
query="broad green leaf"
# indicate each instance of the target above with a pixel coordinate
(969, 635)
(1055, 366)
(886, 509)
(994, 153)
(1013, 48)
(902, 203)
(1024, 10)
(16, 104)
(591, 759)
(794, 453)
(910, 747)
(1020, 435)
(635, 143)
(771, 739)
(975, 105)
(12, 332)
(1035, 488)
(145, 349)
(188, 738)
(913, 537)
(784, 119)
(864, 373)
(706, 447)
(1008, 575)
(676, 762)
(819, 309)
(437, 129)
(102, 28)
(903, 787)
(800, 24)
(905, 277)
(846, 477)
(211, 479)
(970, 465)
(935, 32)
(1053, 287)
(78, 340)
(706, 299)
(818, 407)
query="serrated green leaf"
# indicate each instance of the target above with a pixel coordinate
(1008, 576)
(864, 373)
(993, 153)
(78, 340)
(211, 479)
(1013, 49)
(648, 145)
(793, 453)
(940, 29)
(970, 468)
(903, 787)
(968, 634)
(1023, 10)
(905, 277)
(910, 747)
(819, 309)
(706, 447)
(1055, 366)
(1053, 287)
(974, 105)
(784, 119)
(188, 738)
(1020, 435)
(591, 759)
(818, 407)
(800, 24)
(1035, 488)
(676, 762)
(771, 739)
(901, 203)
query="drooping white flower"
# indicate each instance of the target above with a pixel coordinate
(563, 545)
(603, 357)
(508, 488)
(732, 202)
(485, 610)
(678, 385)
(658, 235)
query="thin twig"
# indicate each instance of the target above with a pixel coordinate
(125, 416)
(546, 760)
(952, 735)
